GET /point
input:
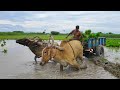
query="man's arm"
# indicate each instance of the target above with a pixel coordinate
(70, 33)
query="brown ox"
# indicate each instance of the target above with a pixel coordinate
(66, 54)
(35, 45)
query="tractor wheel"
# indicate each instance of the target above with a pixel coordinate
(100, 51)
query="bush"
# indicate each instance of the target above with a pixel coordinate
(110, 33)
(88, 32)
(54, 33)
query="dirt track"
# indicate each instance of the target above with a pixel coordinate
(113, 68)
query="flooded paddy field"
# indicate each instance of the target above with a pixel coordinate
(18, 63)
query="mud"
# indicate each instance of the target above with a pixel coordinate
(113, 68)
(52, 71)
(112, 54)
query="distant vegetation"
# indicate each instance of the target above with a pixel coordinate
(21, 34)
(113, 40)
(54, 33)
(18, 32)
(110, 35)
(18, 35)
(88, 34)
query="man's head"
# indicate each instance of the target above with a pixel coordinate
(77, 27)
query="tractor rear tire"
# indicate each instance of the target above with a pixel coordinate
(100, 51)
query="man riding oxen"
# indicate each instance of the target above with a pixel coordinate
(77, 34)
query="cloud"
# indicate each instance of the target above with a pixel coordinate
(107, 21)
(7, 22)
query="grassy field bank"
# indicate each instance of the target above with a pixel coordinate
(113, 40)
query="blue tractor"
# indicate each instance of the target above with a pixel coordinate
(94, 46)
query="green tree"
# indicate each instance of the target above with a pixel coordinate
(110, 33)
(88, 32)
(54, 33)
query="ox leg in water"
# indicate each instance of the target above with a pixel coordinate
(75, 64)
(35, 58)
(83, 65)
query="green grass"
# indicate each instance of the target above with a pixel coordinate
(42, 36)
(110, 35)
(113, 42)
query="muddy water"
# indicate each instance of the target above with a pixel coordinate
(112, 54)
(18, 63)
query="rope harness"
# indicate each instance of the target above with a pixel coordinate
(56, 51)
(72, 49)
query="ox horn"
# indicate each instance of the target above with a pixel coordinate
(51, 38)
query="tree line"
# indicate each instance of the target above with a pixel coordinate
(87, 32)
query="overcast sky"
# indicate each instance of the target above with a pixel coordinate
(62, 21)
